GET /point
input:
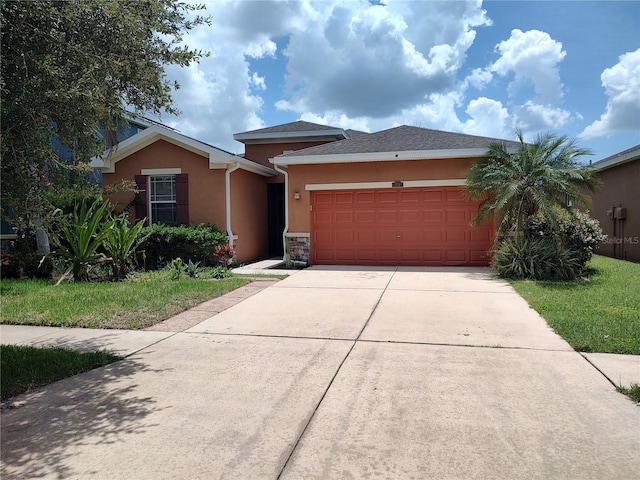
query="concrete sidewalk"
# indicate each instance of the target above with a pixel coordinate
(337, 373)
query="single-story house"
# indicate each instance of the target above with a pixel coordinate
(616, 204)
(325, 195)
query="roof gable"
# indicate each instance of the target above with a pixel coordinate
(217, 157)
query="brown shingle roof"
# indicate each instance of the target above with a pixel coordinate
(403, 138)
(299, 126)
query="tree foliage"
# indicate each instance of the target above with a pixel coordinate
(70, 66)
(538, 178)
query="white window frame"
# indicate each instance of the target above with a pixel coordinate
(152, 202)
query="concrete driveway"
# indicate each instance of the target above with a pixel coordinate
(339, 373)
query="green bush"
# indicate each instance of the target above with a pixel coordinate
(576, 231)
(536, 258)
(197, 243)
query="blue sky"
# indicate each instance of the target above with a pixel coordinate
(484, 68)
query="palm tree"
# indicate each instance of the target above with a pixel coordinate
(538, 178)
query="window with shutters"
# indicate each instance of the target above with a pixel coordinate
(162, 199)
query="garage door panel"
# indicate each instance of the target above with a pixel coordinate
(344, 236)
(365, 198)
(455, 234)
(456, 216)
(322, 218)
(342, 198)
(456, 256)
(345, 255)
(432, 195)
(412, 226)
(411, 217)
(408, 197)
(387, 216)
(432, 216)
(432, 256)
(387, 196)
(343, 216)
(365, 217)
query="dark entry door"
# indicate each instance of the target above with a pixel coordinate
(275, 199)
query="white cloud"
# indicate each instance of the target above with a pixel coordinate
(622, 87)
(533, 117)
(533, 58)
(374, 60)
(488, 118)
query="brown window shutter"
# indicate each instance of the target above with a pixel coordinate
(182, 199)
(143, 195)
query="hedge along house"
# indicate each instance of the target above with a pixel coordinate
(616, 204)
(395, 197)
(181, 181)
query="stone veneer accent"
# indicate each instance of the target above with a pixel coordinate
(299, 247)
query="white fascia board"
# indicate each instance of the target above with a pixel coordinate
(245, 164)
(382, 156)
(301, 134)
(447, 182)
(621, 158)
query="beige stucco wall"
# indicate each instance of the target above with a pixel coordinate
(249, 215)
(620, 186)
(301, 175)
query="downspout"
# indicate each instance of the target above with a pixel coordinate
(286, 211)
(227, 177)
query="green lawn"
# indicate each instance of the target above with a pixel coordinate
(27, 368)
(601, 314)
(134, 304)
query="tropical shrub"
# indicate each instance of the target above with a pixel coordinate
(575, 231)
(176, 269)
(536, 258)
(121, 245)
(221, 272)
(537, 179)
(225, 254)
(192, 269)
(163, 243)
(80, 238)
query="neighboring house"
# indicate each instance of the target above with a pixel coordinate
(332, 196)
(616, 204)
(395, 197)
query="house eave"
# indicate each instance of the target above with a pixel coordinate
(392, 156)
(291, 137)
(619, 159)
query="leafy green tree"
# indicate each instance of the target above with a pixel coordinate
(69, 66)
(538, 178)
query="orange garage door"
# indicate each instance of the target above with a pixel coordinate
(404, 226)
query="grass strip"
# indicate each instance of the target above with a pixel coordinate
(137, 303)
(600, 314)
(633, 392)
(27, 368)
